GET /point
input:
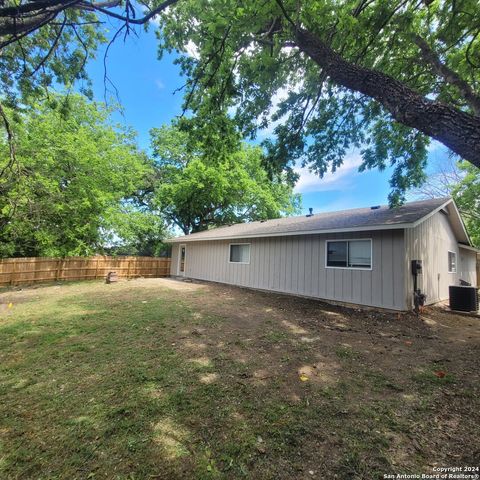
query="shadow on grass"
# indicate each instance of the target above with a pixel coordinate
(133, 385)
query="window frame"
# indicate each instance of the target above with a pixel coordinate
(448, 261)
(180, 273)
(230, 253)
(366, 269)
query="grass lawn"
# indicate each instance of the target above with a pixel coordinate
(172, 380)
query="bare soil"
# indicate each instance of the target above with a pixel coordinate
(267, 385)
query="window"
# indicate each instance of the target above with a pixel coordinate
(337, 254)
(240, 253)
(349, 254)
(452, 262)
(183, 251)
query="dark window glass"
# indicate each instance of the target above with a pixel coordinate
(240, 253)
(349, 253)
(337, 254)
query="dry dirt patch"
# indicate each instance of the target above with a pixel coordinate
(170, 379)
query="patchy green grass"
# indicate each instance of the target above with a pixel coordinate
(346, 353)
(144, 380)
(433, 376)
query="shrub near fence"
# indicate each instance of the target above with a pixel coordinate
(14, 271)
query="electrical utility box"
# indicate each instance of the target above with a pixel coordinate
(417, 267)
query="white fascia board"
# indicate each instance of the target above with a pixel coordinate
(433, 212)
(468, 247)
(398, 226)
(441, 207)
(467, 236)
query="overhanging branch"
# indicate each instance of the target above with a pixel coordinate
(23, 19)
(458, 130)
(448, 75)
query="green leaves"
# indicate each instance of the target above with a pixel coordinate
(55, 54)
(467, 196)
(198, 186)
(247, 58)
(73, 170)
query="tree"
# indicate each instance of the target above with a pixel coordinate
(467, 196)
(459, 180)
(384, 77)
(48, 41)
(73, 171)
(133, 230)
(196, 190)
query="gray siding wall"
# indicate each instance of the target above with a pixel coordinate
(430, 242)
(296, 264)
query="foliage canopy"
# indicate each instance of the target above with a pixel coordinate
(197, 187)
(72, 172)
(382, 77)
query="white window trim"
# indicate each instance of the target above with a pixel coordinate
(230, 253)
(448, 262)
(180, 260)
(350, 240)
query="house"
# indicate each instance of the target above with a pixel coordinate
(361, 256)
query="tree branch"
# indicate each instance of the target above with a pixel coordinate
(26, 18)
(10, 140)
(458, 130)
(448, 75)
(52, 47)
(137, 21)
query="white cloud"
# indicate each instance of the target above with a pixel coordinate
(341, 178)
(160, 85)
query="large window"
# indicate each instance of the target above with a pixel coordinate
(452, 262)
(240, 253)
(349, 254)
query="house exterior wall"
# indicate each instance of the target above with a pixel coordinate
(296, 265)
(430, 242)
(468, 266)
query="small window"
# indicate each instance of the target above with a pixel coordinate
(349, 254)
(452, 262)
(240, 253)
(337, 254)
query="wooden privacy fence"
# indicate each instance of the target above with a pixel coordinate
(14, 271)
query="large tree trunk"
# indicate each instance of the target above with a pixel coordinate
(458, 130)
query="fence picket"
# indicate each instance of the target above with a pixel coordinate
(15, 271)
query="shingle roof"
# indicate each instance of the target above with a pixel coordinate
(345, 220)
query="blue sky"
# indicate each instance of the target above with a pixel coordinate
(146, 90)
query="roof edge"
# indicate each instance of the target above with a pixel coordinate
(469, 247)
(457, 212)
(398, 226)
(433, 212)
